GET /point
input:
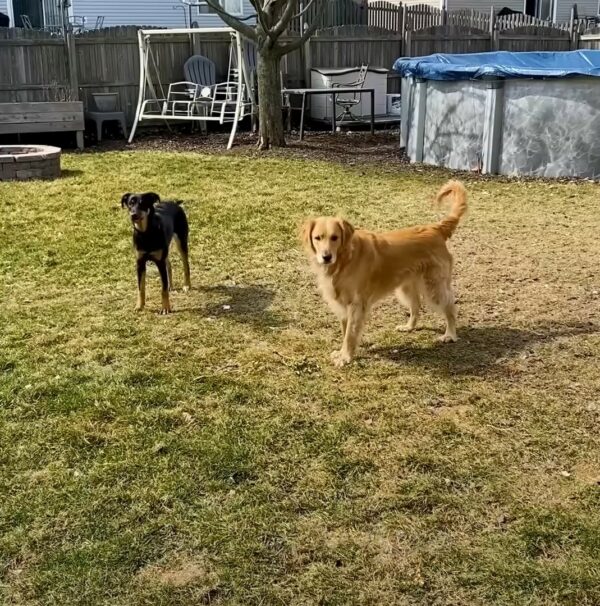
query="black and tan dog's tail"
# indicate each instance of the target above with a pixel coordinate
(450, 222)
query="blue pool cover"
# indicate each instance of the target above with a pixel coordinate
(501, 64)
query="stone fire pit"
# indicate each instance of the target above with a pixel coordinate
(21, 162)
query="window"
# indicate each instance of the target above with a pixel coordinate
(233, 7)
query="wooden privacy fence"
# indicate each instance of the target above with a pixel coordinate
(334, 13)
(426, 29)
(399, 17)
(41, 67)
(590, 39)
(36, 66)
(466, 39)
(33, 66)
(446, 39)
(108, 61)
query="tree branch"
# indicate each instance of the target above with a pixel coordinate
(284, 49)
(230, 20)
(285, 18)
(261, 17)
(304, 10)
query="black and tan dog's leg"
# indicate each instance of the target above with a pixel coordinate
(182, 247)
(141, 277)
(170, 274)
(164, 277)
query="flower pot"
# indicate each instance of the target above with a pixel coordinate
(106, 102)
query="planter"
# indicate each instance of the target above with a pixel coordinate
(106, 102)
(46, 117)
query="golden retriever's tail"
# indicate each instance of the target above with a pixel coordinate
(459, 207)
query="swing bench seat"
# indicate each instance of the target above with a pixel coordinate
(214, 102)
(198, 98)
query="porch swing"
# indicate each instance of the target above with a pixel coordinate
(223, 102)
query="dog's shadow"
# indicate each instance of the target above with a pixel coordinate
(247, 304)
(479, 349)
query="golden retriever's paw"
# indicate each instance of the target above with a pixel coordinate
(186, 288)
(405, 327)
(340, 358)
(447, 339)
(165, 311)
(139, 307)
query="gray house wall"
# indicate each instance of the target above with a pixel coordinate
(585, 8)
(484, 6)
(158, 13)
(130, 12)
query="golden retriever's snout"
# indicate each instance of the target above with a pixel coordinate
(325, 258)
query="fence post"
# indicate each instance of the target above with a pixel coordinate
(493, 41)
(444, 16)
(405, 32)
(573, 33)
(307, 62)
(72, 65)
(401, 17)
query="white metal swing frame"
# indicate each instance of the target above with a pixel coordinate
(225, 102)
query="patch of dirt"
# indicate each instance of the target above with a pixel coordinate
(588, 473)
(180, 573)
(351, 148)
(344, 147)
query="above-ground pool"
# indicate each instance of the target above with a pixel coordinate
(509, 113)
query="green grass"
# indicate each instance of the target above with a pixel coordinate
(216, 457)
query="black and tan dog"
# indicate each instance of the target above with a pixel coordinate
(155, 225)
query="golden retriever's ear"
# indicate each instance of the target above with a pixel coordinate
(347, 230)
(306, 234)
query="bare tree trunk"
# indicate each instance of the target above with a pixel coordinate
(269, 99)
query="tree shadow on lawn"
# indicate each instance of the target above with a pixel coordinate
(479, 348)
(246, 304)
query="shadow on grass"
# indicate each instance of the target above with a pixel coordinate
(479, 349)
(246, 304)
(70, 173)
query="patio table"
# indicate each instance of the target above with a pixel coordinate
(304, 92)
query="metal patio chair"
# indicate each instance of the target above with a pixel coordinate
(26, 21)
(347, 103)
(77, 24)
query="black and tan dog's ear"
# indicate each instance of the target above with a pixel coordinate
(306, 234)
(125, 199)
(150, 198)
(347, 230)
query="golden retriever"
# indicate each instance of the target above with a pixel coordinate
(357, 268)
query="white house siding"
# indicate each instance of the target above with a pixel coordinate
(4, 8)
(212, 20)
(434, 3)
(484, 6)
(159, 13)
(585, 8)
(130, 12)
